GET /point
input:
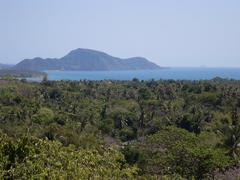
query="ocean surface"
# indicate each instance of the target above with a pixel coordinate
(167, 73)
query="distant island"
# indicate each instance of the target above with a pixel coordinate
(86, 60)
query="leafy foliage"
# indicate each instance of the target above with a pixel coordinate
(30, 158)
(119, 129)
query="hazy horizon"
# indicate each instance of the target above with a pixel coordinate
(168, 33)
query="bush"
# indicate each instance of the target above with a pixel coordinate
(127, 134)
(29, 158)
(173, 150)
(43, 116)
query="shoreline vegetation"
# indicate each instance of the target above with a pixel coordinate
(135, 129)
(21, 73)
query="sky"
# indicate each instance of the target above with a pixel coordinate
(184, 33)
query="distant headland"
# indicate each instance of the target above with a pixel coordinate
(86, 60)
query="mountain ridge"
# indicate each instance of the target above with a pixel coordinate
(86, 59)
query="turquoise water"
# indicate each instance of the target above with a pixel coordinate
(168, 73)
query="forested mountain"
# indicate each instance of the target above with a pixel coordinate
(120, 129)
(87, 60)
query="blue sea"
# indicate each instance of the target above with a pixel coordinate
(166, 73)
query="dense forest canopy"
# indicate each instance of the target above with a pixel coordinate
(119, 129)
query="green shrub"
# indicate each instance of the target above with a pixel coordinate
(127, 134)
(43, 116)
(29, 158)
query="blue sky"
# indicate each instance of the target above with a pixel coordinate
(168, 32)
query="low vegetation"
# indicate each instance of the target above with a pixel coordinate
(119, 129)
(21, 73)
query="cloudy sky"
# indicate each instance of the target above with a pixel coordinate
(168, 32)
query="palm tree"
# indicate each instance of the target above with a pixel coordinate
(231, 134)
